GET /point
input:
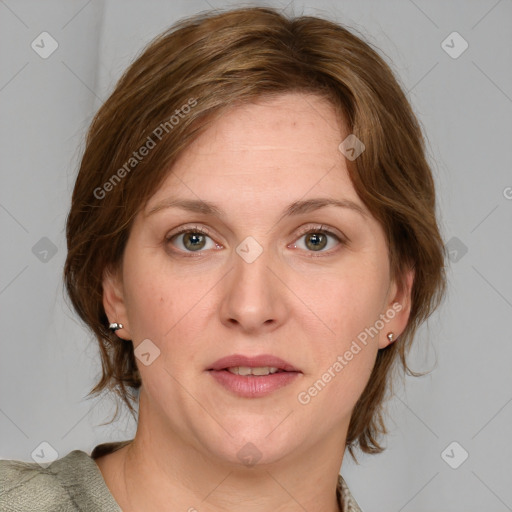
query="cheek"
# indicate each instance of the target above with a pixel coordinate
(344, 354)
(166, 305)
(342, 303)
(146, 306)
(149, 293)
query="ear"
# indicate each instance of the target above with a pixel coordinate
(398, 308)
(113, 301)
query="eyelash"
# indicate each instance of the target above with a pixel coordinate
(305, 231)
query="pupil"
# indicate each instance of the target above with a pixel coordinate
(318, 241)
(191, 241)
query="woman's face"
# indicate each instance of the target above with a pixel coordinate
(264, 276)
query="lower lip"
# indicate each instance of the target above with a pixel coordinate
(253, 386)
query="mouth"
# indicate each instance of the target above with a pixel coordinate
(253, 365)
(257, 371)
(253, 377)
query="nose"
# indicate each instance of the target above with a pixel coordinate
(254, 297)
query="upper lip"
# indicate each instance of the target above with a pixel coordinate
(252, 362)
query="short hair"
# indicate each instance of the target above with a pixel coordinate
(196, 71)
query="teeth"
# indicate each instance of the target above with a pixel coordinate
(245, 370)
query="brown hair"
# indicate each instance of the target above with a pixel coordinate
(194, 72)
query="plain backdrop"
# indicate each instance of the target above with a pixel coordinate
(463, 99)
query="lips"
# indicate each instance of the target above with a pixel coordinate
(253, 377)
(264, 360)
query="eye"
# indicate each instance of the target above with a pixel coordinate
(316, 239)
(192, 239)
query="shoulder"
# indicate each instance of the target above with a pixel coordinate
(29, 486)
(345, 498)
(71, 483)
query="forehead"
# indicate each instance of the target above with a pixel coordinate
(285, 146)
(303, 123)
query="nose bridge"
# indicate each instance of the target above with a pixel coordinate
(252, 298)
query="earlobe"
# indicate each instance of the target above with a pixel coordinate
(113, 303)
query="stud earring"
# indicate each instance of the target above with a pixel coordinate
(115, 326)
(390, 336)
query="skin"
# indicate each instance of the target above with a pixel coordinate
(301, 304)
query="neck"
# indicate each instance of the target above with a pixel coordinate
(160, 470)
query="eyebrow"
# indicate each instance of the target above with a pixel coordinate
(295, 208)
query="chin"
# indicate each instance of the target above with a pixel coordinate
(252, 447)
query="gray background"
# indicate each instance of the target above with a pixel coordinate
(48, 362)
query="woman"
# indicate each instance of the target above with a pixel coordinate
(253, 241)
